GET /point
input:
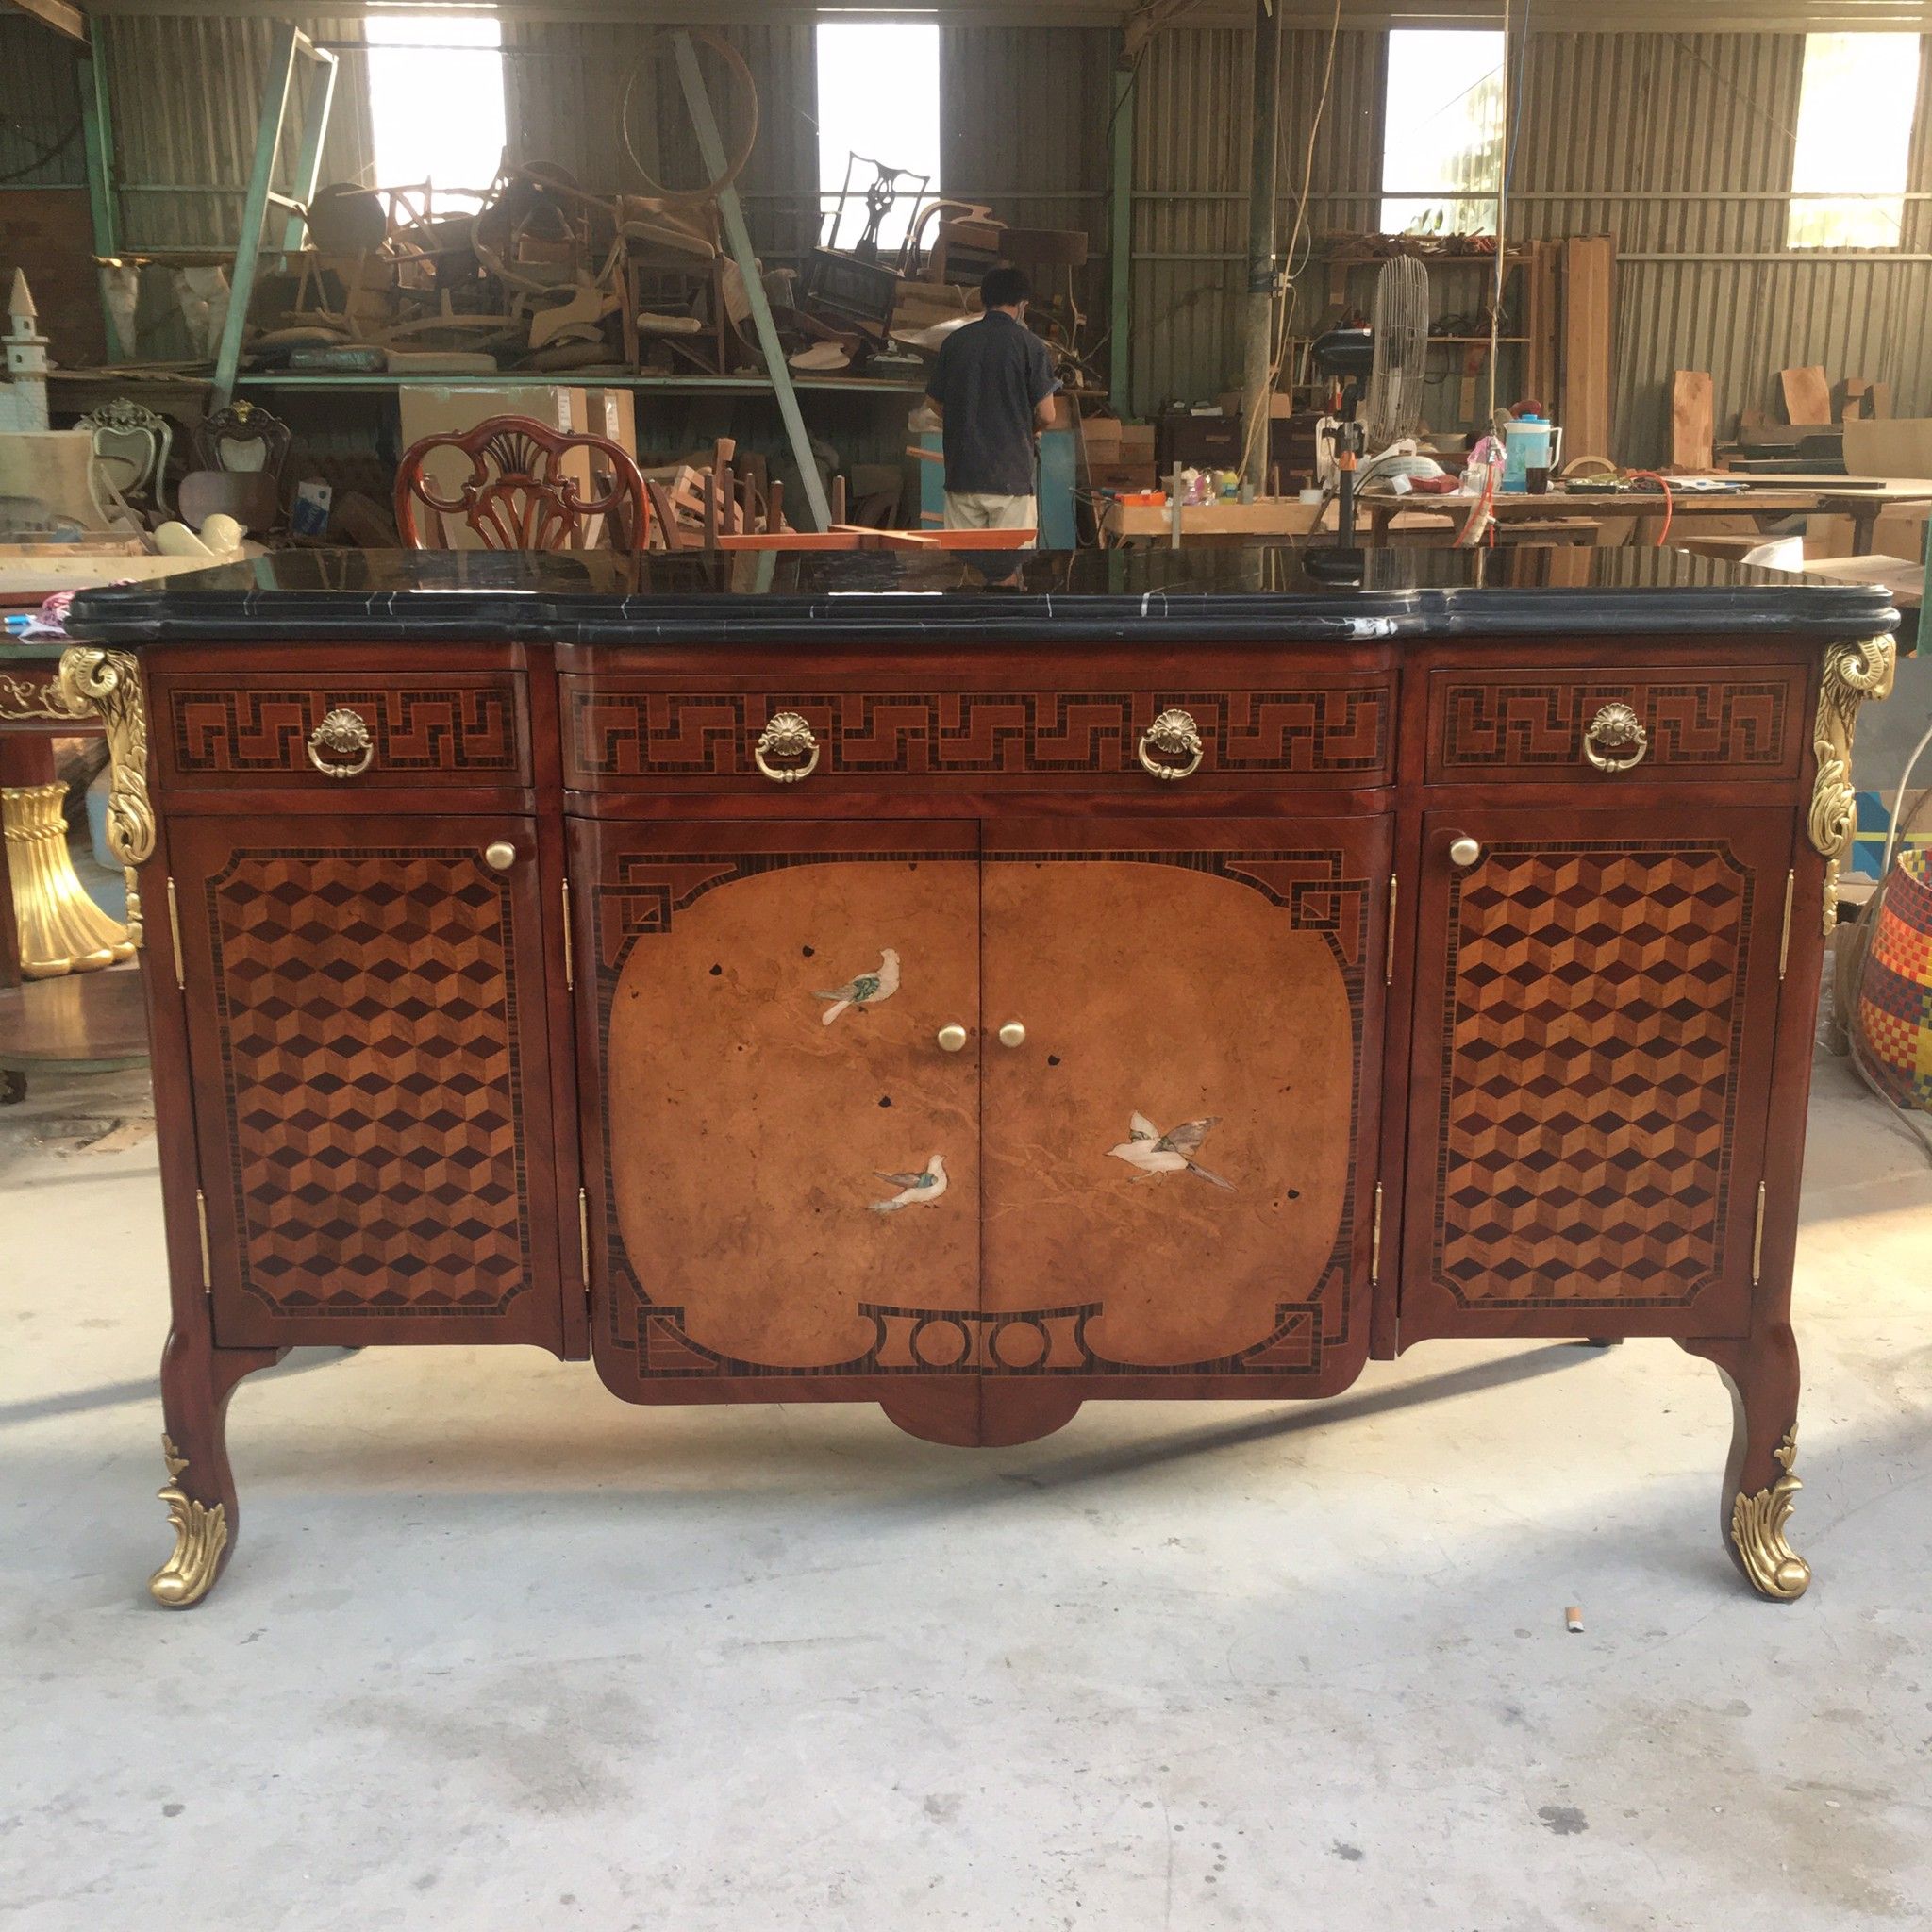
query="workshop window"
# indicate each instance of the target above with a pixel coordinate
(436, 106)
(1853, 151)
(1442, 132)
(878, 99)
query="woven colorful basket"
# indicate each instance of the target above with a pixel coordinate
(1895, 1001)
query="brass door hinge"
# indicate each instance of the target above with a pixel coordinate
(1784, 944)
(570, 964)
(584, 1239)
(1757, 1240)
(1375, 1243)
(207, 1274)
(175, 933)
(1389, 950)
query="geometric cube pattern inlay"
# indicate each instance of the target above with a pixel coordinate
(1590, 1070)
(368, 1038)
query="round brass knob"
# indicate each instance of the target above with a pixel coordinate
(500, 854)
(952, 1038)
(1464, 852)
(1012, 1034)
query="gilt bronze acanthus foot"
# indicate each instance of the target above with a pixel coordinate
(201, 1534)
(1757, 1528)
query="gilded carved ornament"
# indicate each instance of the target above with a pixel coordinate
(1853, 673)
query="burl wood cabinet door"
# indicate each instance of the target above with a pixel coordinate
(367, 1022)
(779, 1024)
(1179, 1152)
(1595, 1016)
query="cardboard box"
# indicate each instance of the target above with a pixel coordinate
(1278, 404)
(613, 413)
(1120, 476)
(1136, 443)
(1102, 436)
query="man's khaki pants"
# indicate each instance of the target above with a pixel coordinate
(979, 509)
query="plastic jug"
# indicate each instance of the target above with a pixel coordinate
(1529, 442)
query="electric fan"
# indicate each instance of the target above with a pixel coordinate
(1401, 330)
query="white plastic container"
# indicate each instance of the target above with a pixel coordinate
(1529, 442)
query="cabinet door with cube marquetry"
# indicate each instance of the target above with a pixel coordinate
(1594, 1014)
(367, 1022)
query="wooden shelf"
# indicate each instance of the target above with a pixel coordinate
(378, 381)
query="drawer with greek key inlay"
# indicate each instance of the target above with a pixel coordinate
(442, 731)
(638, 735)
(1601, 723)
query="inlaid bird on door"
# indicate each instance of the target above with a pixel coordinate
(1151, 1152)
(865, 989)
(914, 1189)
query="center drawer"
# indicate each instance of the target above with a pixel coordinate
(647, 734)
(1600, 722)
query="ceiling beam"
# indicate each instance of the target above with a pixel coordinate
(60, 15)
(1554, 16)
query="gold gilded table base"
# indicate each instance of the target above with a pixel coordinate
(61, 930)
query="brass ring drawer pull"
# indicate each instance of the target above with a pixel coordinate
(343, 736)
(1177, 735)
(788, 736)
(1615, 739)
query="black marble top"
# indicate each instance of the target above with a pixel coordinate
(1287, 591)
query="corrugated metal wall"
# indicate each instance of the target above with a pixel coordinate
(577, 92)
(1192, 112)
(1678, 146)
(1688, 160)
(39, 121)
(185, 94)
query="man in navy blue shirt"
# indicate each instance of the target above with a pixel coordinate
(992, 388)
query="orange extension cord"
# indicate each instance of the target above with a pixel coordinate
(1663, 485)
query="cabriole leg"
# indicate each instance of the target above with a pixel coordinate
(197, 1382)
(1760, 1486)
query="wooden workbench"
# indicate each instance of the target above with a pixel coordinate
(1863, 503)
(1274, 516)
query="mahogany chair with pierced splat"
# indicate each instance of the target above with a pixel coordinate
(520, 495)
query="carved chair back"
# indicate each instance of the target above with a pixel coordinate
(243, 437)
(522, 490)
(130, 452)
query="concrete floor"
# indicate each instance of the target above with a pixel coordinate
(500, 1652)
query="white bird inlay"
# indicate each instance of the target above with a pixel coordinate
(865, 989)
(1151, 1152)
(926, 1185)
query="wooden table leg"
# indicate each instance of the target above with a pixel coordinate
(1864, 522)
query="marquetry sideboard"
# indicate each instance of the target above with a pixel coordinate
(983, 1025)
